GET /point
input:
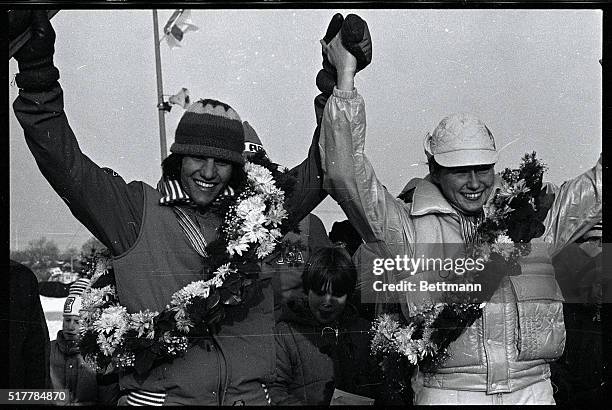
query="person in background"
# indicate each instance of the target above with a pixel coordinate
(28, 336)
(578, 374)
(68, 369)
(322, 345)
(287, 262)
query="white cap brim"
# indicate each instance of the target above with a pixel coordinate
(466, 157)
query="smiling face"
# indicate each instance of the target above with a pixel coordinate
(71, 326)
(467, 188)
(326, 306)
(203, 178)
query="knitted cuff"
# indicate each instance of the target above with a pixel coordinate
(345, 94)
(40, 79)
(31, 65)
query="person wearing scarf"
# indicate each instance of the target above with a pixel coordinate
(68, 369)
(502, 358)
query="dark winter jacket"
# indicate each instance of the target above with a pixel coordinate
(28, 341)
(69, 371)
(312, 359)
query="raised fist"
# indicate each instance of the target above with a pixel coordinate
(38, 51)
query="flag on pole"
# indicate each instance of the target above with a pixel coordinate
(181, 98)
(176, 27)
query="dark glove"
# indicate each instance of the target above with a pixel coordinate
(18, 22)
(355, 38)
(35, 58)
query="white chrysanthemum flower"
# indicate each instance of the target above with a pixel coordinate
(253, 204)
(386, 325)
(142, 322)
(403, 338)
(96, 297)
(222, 273)
(113, 319)
(105, 346)
(265, 248)
(258, 174)
(503, 245)
(503, 238)
(276, 215)
(237, 246)
(270, 190)
(183, 296)
(254, 231)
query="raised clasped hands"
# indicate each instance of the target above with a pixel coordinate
(343, 61)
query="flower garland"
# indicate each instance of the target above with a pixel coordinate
(513, 216)
(112, 338)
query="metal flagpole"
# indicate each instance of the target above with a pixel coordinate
(160, 89)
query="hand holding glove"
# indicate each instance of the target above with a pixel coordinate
(351, 34)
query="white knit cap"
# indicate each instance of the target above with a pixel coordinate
(72, 305)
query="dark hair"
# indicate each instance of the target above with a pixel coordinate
(344, 232)
(330, 265)
(434, 167)
(171, 168)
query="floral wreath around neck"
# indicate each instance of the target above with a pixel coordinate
(254, 221)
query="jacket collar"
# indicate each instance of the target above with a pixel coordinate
(67, 347)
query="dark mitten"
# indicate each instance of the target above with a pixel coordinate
(35, 58)
(356, 39)
(18, 22)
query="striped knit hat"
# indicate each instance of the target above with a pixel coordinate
(210, 128)
(252, 143)
(79, 286)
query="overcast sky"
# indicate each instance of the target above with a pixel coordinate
(531, 75)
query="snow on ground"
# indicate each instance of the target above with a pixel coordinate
(53, 308)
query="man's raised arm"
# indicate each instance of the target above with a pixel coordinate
(101, 200)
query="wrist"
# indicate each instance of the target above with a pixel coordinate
(41, 79)
(346, 80)
(35, 64)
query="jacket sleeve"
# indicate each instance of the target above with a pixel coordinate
(576, 209)
(285, 370)
(308, 191)
(349, 177)
(101, 200)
